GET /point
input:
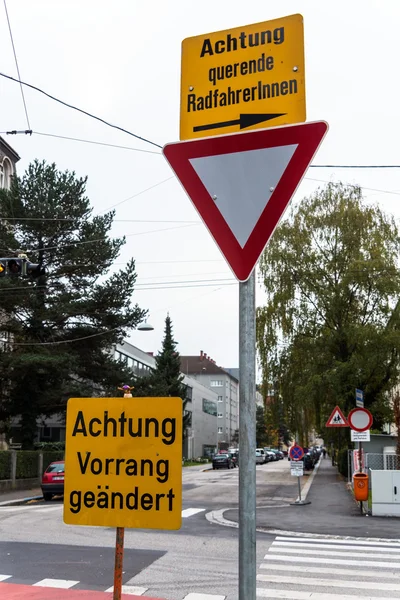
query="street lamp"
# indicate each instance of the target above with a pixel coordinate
(145, 326)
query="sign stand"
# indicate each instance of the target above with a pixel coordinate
(247, 436)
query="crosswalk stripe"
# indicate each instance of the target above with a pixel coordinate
(130, 590)
(4, 577)
(189, 512)
(341, 552)
(359, 585)
(56, 583)
(334, 546)
(328, 571)
(197, 596)
(359, 542)
(335, 561)
(290, 595)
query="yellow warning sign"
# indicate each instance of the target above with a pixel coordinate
(244, 78)
(123, 462)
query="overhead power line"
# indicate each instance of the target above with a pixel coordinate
(16, 64)
(88, 114)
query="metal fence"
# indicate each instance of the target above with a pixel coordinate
(372, 461)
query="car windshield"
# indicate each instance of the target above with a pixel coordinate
(55, 468)
(223, 456)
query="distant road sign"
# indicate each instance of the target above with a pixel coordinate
(123, 462)
(297, 468)
(296, 452)
(360, 436)
(360, 419)
(359, 398)
(337, 419)
(247, 77)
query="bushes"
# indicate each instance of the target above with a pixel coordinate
(27, 464)
(51, 456)
(5, 464)
(342, 462)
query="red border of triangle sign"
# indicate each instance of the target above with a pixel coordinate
(337, 419)
(306, 137)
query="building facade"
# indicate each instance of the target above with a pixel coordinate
(226, 387)
(8, 161)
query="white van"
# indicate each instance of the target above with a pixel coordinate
(260, 456)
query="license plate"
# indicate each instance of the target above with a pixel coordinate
(58, 478)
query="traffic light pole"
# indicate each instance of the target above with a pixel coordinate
(247, 439)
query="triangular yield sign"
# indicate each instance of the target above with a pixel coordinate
(241, 184)
(337, 419)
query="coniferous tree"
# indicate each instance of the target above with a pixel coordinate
(166, 379)
(63, 323)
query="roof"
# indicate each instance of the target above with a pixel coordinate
(9, 150)
(200, 365)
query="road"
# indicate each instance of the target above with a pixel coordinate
(200, 558)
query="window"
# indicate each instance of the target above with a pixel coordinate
(219, 429)
(220, 415)
(208, 451)
(216, 383)
(5, 174)
(220, 399)
(210, 407)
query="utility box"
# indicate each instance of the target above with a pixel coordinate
(385, 488)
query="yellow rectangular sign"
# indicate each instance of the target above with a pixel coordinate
(123, 462)
(244, 78)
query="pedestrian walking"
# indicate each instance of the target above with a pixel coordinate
(324, 452)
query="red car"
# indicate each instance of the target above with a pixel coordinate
(53, 480)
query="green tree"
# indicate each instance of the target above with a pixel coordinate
(261, 428)
(64, 323)
(331, 318)
(166, 379)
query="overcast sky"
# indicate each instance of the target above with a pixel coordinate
(120, 60)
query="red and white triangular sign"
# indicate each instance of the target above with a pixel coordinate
(337, 419)
(241, 184)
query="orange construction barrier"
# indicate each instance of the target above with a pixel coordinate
(360, 481)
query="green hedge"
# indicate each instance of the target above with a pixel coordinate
(5, 464)
(51, 456)
(27, 464)
(342, 462)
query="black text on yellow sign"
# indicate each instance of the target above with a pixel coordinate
(243, 78)
(123, 462)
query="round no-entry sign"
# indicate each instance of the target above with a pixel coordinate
(360, 419)
(296, 452)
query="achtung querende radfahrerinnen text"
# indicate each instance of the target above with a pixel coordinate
(231, 95)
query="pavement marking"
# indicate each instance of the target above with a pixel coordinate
(328, 571)
(130, 590)
(189, 512)
(291, 595)
(197, 596)
(65, 584)
(324, 536)
(334, 561)
(366, 553)
(360, 548)
(344, 583)
(4, 577)
(360, 541)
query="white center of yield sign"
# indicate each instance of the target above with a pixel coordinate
(241, 183)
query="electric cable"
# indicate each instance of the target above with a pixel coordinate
(16, 64)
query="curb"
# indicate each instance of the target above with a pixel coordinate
(20, 501)
(308, 485)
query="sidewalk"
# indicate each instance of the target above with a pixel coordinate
(13, 591)
(332, 511)
(19, 495)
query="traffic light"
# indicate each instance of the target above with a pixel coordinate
(32, 270)
(20, 267)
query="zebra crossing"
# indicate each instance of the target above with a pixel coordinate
(326, 568)
(50, 508)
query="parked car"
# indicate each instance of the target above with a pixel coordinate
(261, 451)
(277, 453)
(235, 458)
(272, 454)
(222, 461)
(260, 457)
(53, 480)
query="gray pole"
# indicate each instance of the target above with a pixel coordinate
(247, 440)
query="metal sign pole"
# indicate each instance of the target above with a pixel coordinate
(247, 440)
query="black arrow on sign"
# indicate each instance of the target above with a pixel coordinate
(243, 122)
